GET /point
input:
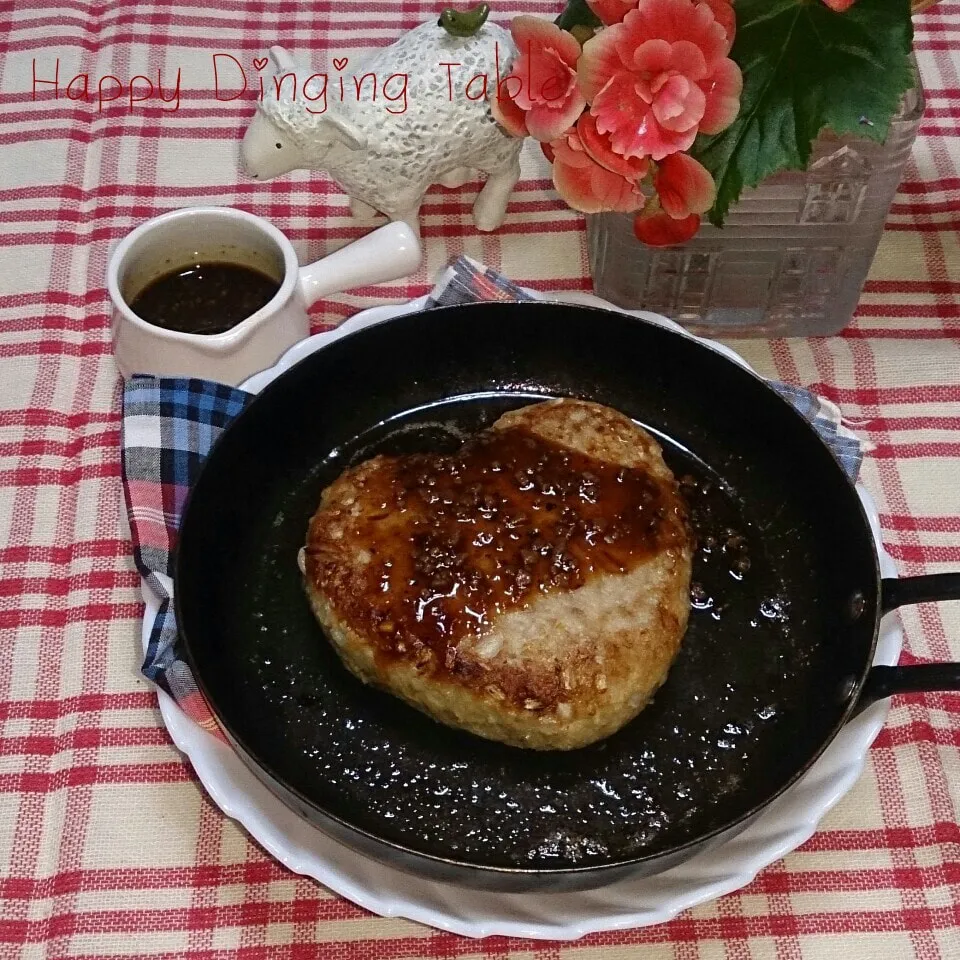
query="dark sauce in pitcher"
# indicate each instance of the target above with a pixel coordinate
(204, 298)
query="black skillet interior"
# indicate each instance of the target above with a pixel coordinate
(767, 669)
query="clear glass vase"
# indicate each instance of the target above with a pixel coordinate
(792, 257)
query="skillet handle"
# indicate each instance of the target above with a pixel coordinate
(907, 590)
(883, 682)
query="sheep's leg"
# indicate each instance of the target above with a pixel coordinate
(456, 178)
(361, 210)
(411, 218)
(490, 207)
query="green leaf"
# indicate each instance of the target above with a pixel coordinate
(806, 68)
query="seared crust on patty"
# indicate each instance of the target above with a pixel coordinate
(532, 589)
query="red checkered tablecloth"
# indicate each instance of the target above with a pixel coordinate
(109, 846)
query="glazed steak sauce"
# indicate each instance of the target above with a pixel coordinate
(459, 539)
(204, 298)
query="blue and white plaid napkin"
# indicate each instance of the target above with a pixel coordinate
(170, 424)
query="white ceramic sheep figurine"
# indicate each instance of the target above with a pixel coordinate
(384, 156)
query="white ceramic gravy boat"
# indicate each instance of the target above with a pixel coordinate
(226, 234)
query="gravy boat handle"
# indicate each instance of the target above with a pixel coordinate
(387, 253)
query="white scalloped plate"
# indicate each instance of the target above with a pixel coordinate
(786, 824)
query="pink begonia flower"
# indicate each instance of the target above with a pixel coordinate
(685, 189)
(659, 229)
(684, 186)
(598, 146)
(587, 186)
(611, 11)
(724, 14)
(540, 97)
(723, 90)
(840, 5)
(660, 77)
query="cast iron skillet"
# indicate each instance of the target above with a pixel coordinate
(776, 659)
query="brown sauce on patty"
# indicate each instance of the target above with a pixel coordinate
(455, 540)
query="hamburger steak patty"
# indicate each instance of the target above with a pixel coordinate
(532, 588)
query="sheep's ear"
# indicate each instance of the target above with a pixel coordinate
(344, 131)
(283, 60)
